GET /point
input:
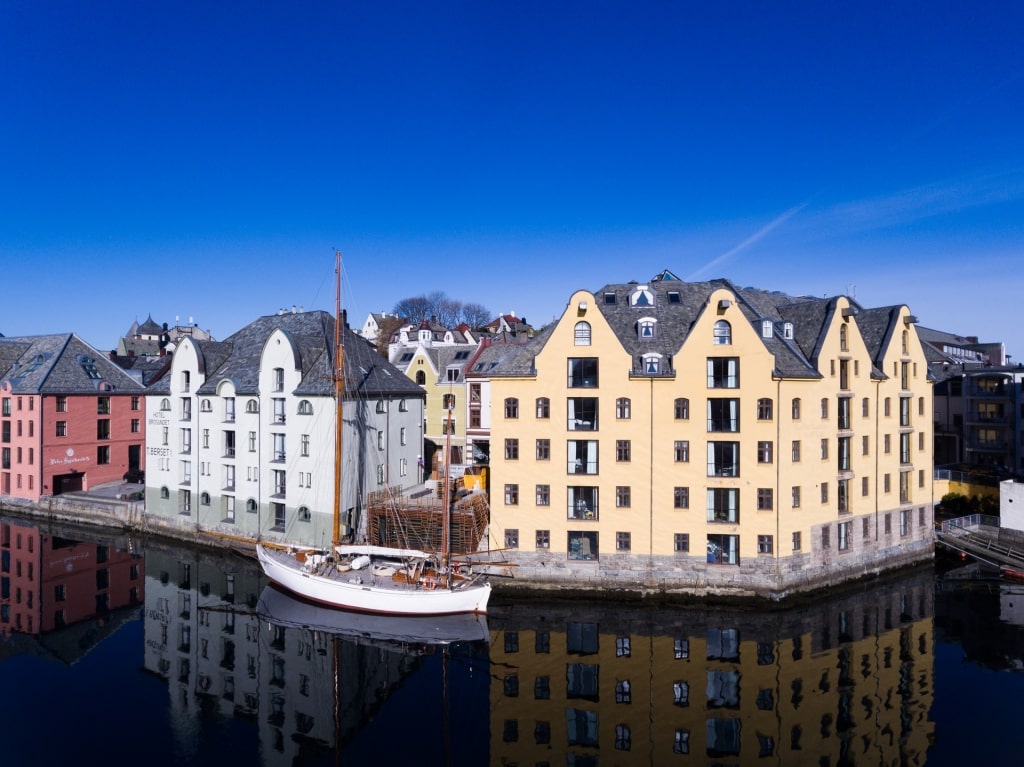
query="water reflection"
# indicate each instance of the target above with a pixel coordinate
(829, 684)
(845, 681)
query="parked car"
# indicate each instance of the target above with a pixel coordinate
(135, 475)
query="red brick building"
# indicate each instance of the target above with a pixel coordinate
(70, 418)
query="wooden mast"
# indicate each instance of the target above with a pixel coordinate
(446, 515)
(339, 394)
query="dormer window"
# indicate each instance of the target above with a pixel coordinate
(641, 296)
(787, 330)
(609, 298)
(652, 364)
(766, 329)
(673, 296)
(722, 333)
(645, 329)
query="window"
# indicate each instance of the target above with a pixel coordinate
(62, 405)
(765, 499)
(645, 329)
(622, 691)
(886, 443)
(581, 456)
(681, 498)
(723, 372)
(723, 414)
(824, 448)
(582, 334)
(278, 383)
(512, 539)
(723, 459)
(622, 497)
(622, 406)
(136, 426)
(582, 372)
(723, 549)
(62, 428)
(622, 450)
(764, 409)
(845, 530)
(543, 407)
(765, 544)
(824, 492)
(102, 405)
(843, 495)
(583, 545)
(582, 413)
(622, 541)
(305, 407)
(723, 504)
(722, 333)
(843, 343)
(543, 539)
(796, 408)
(682, 451)
(886, 407)
(843, 415)
(680, 693)
(582, 502)
(764, 452)
(511, 407)
(796, 541)
(682, 409)
(543, 449)
(796, 496)
(103, 428)
(511, 495)
(102, 454)
(796, 451)
(512, 449)
(824, 407)
(252, 406)
(843, 453)
(448, 403)
(681, 543)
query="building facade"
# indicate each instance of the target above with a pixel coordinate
(70, 419)
(241, 433)
(705, 438)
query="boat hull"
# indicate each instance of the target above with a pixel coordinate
(362, 592)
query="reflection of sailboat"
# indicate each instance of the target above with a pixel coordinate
(277, 607)
(373, 578)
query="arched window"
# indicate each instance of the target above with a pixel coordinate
(722, 333)
(250, 505)
(764, 409)
(843, 343)
(204, 499)
(305, 407)
(622, 408)
(543, 407)
(165, 404)
(582, 334)
(165, 493)
(646, 329)
(205, 406)
(304, 515)
(421, 378)
(682, 409)
(511, 407)
(252, 406)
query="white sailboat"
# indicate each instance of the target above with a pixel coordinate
(375, 579)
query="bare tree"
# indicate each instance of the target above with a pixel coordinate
(475, 315)
(449, 312)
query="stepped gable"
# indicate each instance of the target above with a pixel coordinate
(59, 363)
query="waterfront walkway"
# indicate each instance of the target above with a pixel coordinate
(980, 536)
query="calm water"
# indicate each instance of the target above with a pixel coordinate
(116, 650)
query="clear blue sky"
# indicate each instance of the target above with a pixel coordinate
(205, 159)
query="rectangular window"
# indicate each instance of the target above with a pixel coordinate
(765, 544)
(543, 540)
(622, 497)
(723, 459)
(583, 546)
(103, 428)
(511, 495)
(682, 450)
(886, 487)
(582, 372)
(62, 428)
(723, 372)
(622, 450)
(582, 414)
(796, 496)
(512, 539)
(796, 451)
(723, 504)
(543, 449)
(512, 449)
(764, 452)
(843, 407)
(824, 492)
(796, 541)
(765, 499)
(62, 405)
(843, 495)
(681, 498)
(723, 414)
(582, 456)
(622, 541)
(845, 535)
(681, 543)
(102, 455)
(543, 495)
(582, 502)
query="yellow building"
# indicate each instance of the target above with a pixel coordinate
(704, 438)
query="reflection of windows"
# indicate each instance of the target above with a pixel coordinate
(723, 737)
(581, 681)
(623, 694)
(723, 688)
(680, 693)
(582, 638)
(622, 738)
(723, 644)
(681, 742)
(581, 727)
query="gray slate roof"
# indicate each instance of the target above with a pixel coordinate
(60, 363)
(676, 315)
(237, 358)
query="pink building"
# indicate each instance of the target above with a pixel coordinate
(70, 418)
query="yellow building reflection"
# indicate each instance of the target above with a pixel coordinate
(845, 681)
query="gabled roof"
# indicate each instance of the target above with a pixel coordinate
(60, 363)
(237, 358)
